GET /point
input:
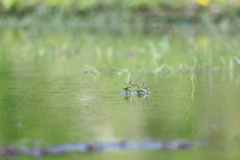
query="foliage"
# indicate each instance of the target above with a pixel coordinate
(146, 7)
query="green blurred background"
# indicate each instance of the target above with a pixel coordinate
(62, 64)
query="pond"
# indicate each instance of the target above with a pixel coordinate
(65, 88)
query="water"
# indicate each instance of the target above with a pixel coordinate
(49, 99)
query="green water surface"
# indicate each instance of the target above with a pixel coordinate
(51, 94)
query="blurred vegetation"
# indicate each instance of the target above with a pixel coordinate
(161, 10)
(182, 50)
(205, 36)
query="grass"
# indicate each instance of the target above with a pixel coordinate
(117, 52)
(140, 13)
(73, 6)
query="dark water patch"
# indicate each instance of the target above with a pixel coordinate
(12, 151)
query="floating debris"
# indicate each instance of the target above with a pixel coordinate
(11, 151)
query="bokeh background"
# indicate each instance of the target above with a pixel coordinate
(63, 63)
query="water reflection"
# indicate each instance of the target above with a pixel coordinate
(135, 99)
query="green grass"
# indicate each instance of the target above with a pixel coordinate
(176, 50)
(148, 10)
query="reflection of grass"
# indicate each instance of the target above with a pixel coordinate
(192, 81)
(193, 87)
